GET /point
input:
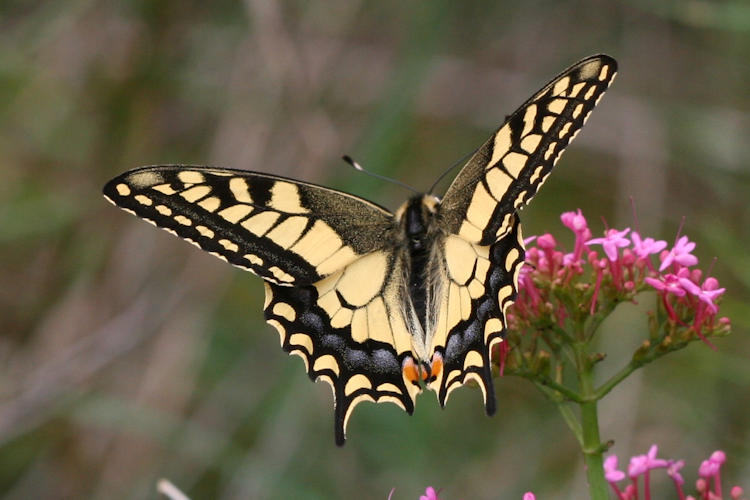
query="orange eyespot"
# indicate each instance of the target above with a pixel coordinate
(436, 366)
(411, 371)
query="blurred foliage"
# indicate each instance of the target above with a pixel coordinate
(128, 355)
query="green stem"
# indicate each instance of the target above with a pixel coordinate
(615, 379)
(545, 381)
(592, 452)
(593, 323)
(570, 418)
(592, 445)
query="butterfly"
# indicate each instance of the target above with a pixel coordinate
(378, 304)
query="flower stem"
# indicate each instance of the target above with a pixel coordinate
(592, 452)
(592, 445)
(544, 382)
(615, 379)
(572, 421)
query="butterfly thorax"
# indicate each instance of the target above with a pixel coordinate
(417, 220)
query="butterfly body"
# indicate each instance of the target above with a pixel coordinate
(416, 219)
(381, 305)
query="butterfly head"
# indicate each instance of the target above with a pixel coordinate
(416, 217)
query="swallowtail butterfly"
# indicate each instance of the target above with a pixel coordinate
(377, 304)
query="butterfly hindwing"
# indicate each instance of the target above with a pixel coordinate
(482, 283)
(351, 332)
(508, 169)
(287, 232)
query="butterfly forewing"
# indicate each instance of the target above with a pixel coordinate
(508, 169)
(287, 232)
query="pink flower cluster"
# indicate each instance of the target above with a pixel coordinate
(708, 484)
(601, 272)
(431, 494)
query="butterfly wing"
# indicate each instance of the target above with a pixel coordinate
(478, 286)
(483, 252)
(351, 329)
(334, 277)
(508, 169)
(287, 232)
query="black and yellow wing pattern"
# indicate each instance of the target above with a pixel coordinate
(379, 304)
(326, 257)
(479, 211)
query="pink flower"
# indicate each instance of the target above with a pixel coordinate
(640, 464)
(529, 496)
(649, 246)
(430, 494)
(613, 239)
(673, 471)
(669, 283)
(546, 241)
(575, 221)
(610, 469)
(707, 293)
(708, 468)
(680, 253)
(719, 457)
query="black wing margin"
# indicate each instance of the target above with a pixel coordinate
(361, 362)
(483, 249)
(465, 340)
(333, 279)
(287, 232)
(508, 169)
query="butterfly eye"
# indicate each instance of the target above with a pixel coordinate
(417, 243)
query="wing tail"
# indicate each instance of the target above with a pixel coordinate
(350, 334)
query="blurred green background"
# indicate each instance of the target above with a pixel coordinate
(127, 355)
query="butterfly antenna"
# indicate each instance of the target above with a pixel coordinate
(635, 215)
(357, 166)
(460, 161)
(679, 230)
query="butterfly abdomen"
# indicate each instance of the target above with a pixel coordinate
(416, 218)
